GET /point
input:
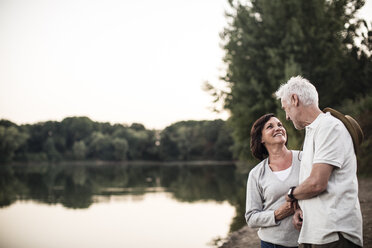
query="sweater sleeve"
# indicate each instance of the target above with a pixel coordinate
(255, 215)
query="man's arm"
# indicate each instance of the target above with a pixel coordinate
(315, 184)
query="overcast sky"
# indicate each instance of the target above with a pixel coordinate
(111, 60)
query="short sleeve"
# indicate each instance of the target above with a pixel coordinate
(328, 144)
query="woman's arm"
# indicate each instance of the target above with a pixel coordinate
(255, 215)
(285, 210)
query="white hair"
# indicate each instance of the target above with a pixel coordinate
(300, 86)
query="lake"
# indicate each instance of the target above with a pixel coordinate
(55, 206)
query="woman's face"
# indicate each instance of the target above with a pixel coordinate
(273, 132)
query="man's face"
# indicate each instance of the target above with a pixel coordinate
(291, 113)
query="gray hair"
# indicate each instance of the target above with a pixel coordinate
(300, 86)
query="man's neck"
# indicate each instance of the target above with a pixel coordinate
(311, 113)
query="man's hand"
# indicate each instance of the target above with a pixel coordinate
(297, 219)
(289, 199)
(285, 210)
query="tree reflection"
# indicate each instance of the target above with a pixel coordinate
(74, 186)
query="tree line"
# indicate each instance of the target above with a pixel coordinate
(80, 138)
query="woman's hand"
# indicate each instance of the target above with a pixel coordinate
(284, 211)
(297, 219)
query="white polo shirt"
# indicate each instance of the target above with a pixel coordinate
(336, 209)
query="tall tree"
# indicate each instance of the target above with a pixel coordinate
(266, 42)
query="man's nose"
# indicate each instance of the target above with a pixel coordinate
(287, 117)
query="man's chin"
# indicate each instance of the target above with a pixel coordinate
(298, 127)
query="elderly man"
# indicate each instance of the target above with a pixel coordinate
(330, 213)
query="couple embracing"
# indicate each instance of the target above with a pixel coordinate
(304, 198)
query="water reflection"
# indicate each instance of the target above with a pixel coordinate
(86, 187)
(154, 221)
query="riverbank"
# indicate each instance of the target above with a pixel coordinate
(247, 237)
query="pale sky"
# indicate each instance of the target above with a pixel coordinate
(115, 61)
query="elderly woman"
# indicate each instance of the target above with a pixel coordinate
(269, 181)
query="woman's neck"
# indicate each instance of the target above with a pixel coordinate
(280, 158)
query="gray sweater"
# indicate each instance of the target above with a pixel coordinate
(265, 194)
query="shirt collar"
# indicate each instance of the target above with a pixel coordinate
(316, 122)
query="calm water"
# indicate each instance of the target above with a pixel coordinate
(119, 206)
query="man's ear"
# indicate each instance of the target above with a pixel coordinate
(294, 100)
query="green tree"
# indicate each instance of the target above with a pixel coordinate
(76, 129)
(6, 123)
(100, 146)
(39, 134)
(141, 144)
(138, 127)
(79, 150)
(224, 143)
(182, 141)
(196, 140)
(50, 150)
(120, 149)
(266, 42)
(10, 140)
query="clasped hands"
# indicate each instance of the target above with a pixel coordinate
(297, 216)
